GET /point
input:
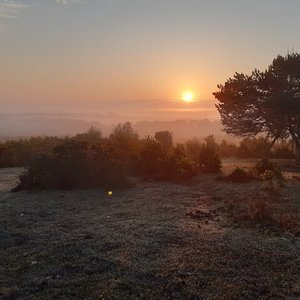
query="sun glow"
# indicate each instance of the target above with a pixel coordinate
(188, 96)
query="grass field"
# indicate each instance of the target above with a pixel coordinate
(157, 240)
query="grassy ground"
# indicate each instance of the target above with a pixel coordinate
(154, 241)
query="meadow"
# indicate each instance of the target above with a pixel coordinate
(201, 239)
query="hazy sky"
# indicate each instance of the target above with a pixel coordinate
(85, 55)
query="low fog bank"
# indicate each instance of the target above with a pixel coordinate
(14, 126)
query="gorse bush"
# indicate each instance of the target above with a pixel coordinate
(74, 164)
(157, 161)
(165, 138)
(269, 172)
(125, 142)
(90, 160)
(93, 136)
(151, 158)
(19, 153)
(179, 165)
(208, 158)
(240, 175)
(193, 148)
(253, 147)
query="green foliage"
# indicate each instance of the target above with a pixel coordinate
(193, 148)
(151, 158)
(124, 133)
(157, 162)
(164, 137)
(19, 153)
(253, 147)
(179, 165)
(209, 159)
(92, 136)
(269, 172)
(125, 142)
(227, 149)
(263, 102)
(240, 175)
(89, 160)
(74, 164)
(282, 150)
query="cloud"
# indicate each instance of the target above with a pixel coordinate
(10, 9)
(69, 1)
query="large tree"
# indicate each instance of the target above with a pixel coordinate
(264, 102)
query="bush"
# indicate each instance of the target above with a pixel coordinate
(157, 162)
(18, 153)
(226, 149)
(283, 150)
(165, 137)
(240, 175)
(73, 164)
(253, 147)
(264, 210)
(151, 159)
(193, 148)
(269, 172)
(125, 142)
(93, 136)
(209, 159)
(179, 166)
(90, 160)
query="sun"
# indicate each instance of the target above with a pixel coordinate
(188, 96)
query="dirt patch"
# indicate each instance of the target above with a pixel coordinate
(9, 178)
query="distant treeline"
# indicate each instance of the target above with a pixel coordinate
(19, 153)
(91, 160)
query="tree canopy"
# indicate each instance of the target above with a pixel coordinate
(264, 102)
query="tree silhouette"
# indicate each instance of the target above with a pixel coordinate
(164, 137)
(265, 102)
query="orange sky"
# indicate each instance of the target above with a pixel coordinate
(78, 56)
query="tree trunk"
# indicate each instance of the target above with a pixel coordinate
(297, 155)
(268, 151)
(297, 146)
(297, 150)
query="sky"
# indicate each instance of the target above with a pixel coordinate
(135, 56)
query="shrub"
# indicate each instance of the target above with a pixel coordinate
(92, 136)
(209, 159)
(193, 148)
(73, 164)
(125, 142)
(151, 159)
(269, 172)
(164, 137)
(263, 210)
(240, 175)
(284, 150)
(179, 166)
(18, 153)
(253, 147)
(157, 162)
(226, 149)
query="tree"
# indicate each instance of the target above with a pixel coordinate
(265, 102)
(164, 137)
(209, 158)
(92, 136)
(125, 143)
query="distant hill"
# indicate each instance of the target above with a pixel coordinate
(14, 126)
(182, 129)
(23, 125)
